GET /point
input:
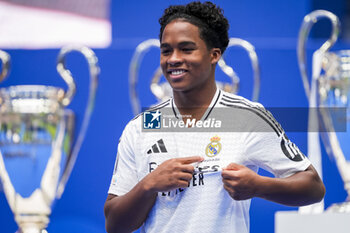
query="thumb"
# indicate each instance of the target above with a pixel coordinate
(233, 166)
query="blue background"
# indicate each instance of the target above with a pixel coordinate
(271, 26)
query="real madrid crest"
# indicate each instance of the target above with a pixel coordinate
(214, 147)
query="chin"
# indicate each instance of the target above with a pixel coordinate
(178, 86)
(181, 89)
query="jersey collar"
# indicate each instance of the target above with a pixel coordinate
(205, 116)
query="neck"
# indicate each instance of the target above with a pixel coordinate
(194, 102)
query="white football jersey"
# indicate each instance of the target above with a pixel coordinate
(204, 206)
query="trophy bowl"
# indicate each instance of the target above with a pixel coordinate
(37, 153)
(333, 95)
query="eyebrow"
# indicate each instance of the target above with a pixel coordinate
(181, 44)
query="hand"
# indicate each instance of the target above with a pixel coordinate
(239, 181)
(172, 174)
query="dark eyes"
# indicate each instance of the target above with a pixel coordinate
(166, 51)
(187, 49)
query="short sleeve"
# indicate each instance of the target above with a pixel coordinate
(125, 173)
(271, 149)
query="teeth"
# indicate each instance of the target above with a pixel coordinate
(177, 72)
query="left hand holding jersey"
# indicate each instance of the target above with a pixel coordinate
(239, 181)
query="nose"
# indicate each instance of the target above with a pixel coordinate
(175, 59)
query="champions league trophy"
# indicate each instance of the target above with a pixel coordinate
(162, 90)
(330, 89)
(36, 134)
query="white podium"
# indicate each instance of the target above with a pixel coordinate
(293, 222)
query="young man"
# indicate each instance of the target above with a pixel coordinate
(202, 182)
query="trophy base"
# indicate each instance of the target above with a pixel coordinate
(32, 223)
(31, 230)
(339, 207)
(326, 222)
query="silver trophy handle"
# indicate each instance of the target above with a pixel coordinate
(5, 59)
(94, 71)
(228, 70)
(308, 22)
(255, 65)
(158, 90)
(314, 151)
(134, 68)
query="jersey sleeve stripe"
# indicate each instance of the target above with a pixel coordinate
(273, 126)
(265, 112)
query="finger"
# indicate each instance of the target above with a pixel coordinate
(186, 177)
(230, 183)
(232, 192)
(229, 174)
(189, 160)
(234, 166)
(229, 189)
(187, 168)
(183, 184)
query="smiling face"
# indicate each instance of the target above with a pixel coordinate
(186, 61)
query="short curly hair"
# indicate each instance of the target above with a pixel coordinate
(213, 25)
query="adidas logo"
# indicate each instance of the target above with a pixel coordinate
(158, 147)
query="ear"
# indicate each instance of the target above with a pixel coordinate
(215, 54)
